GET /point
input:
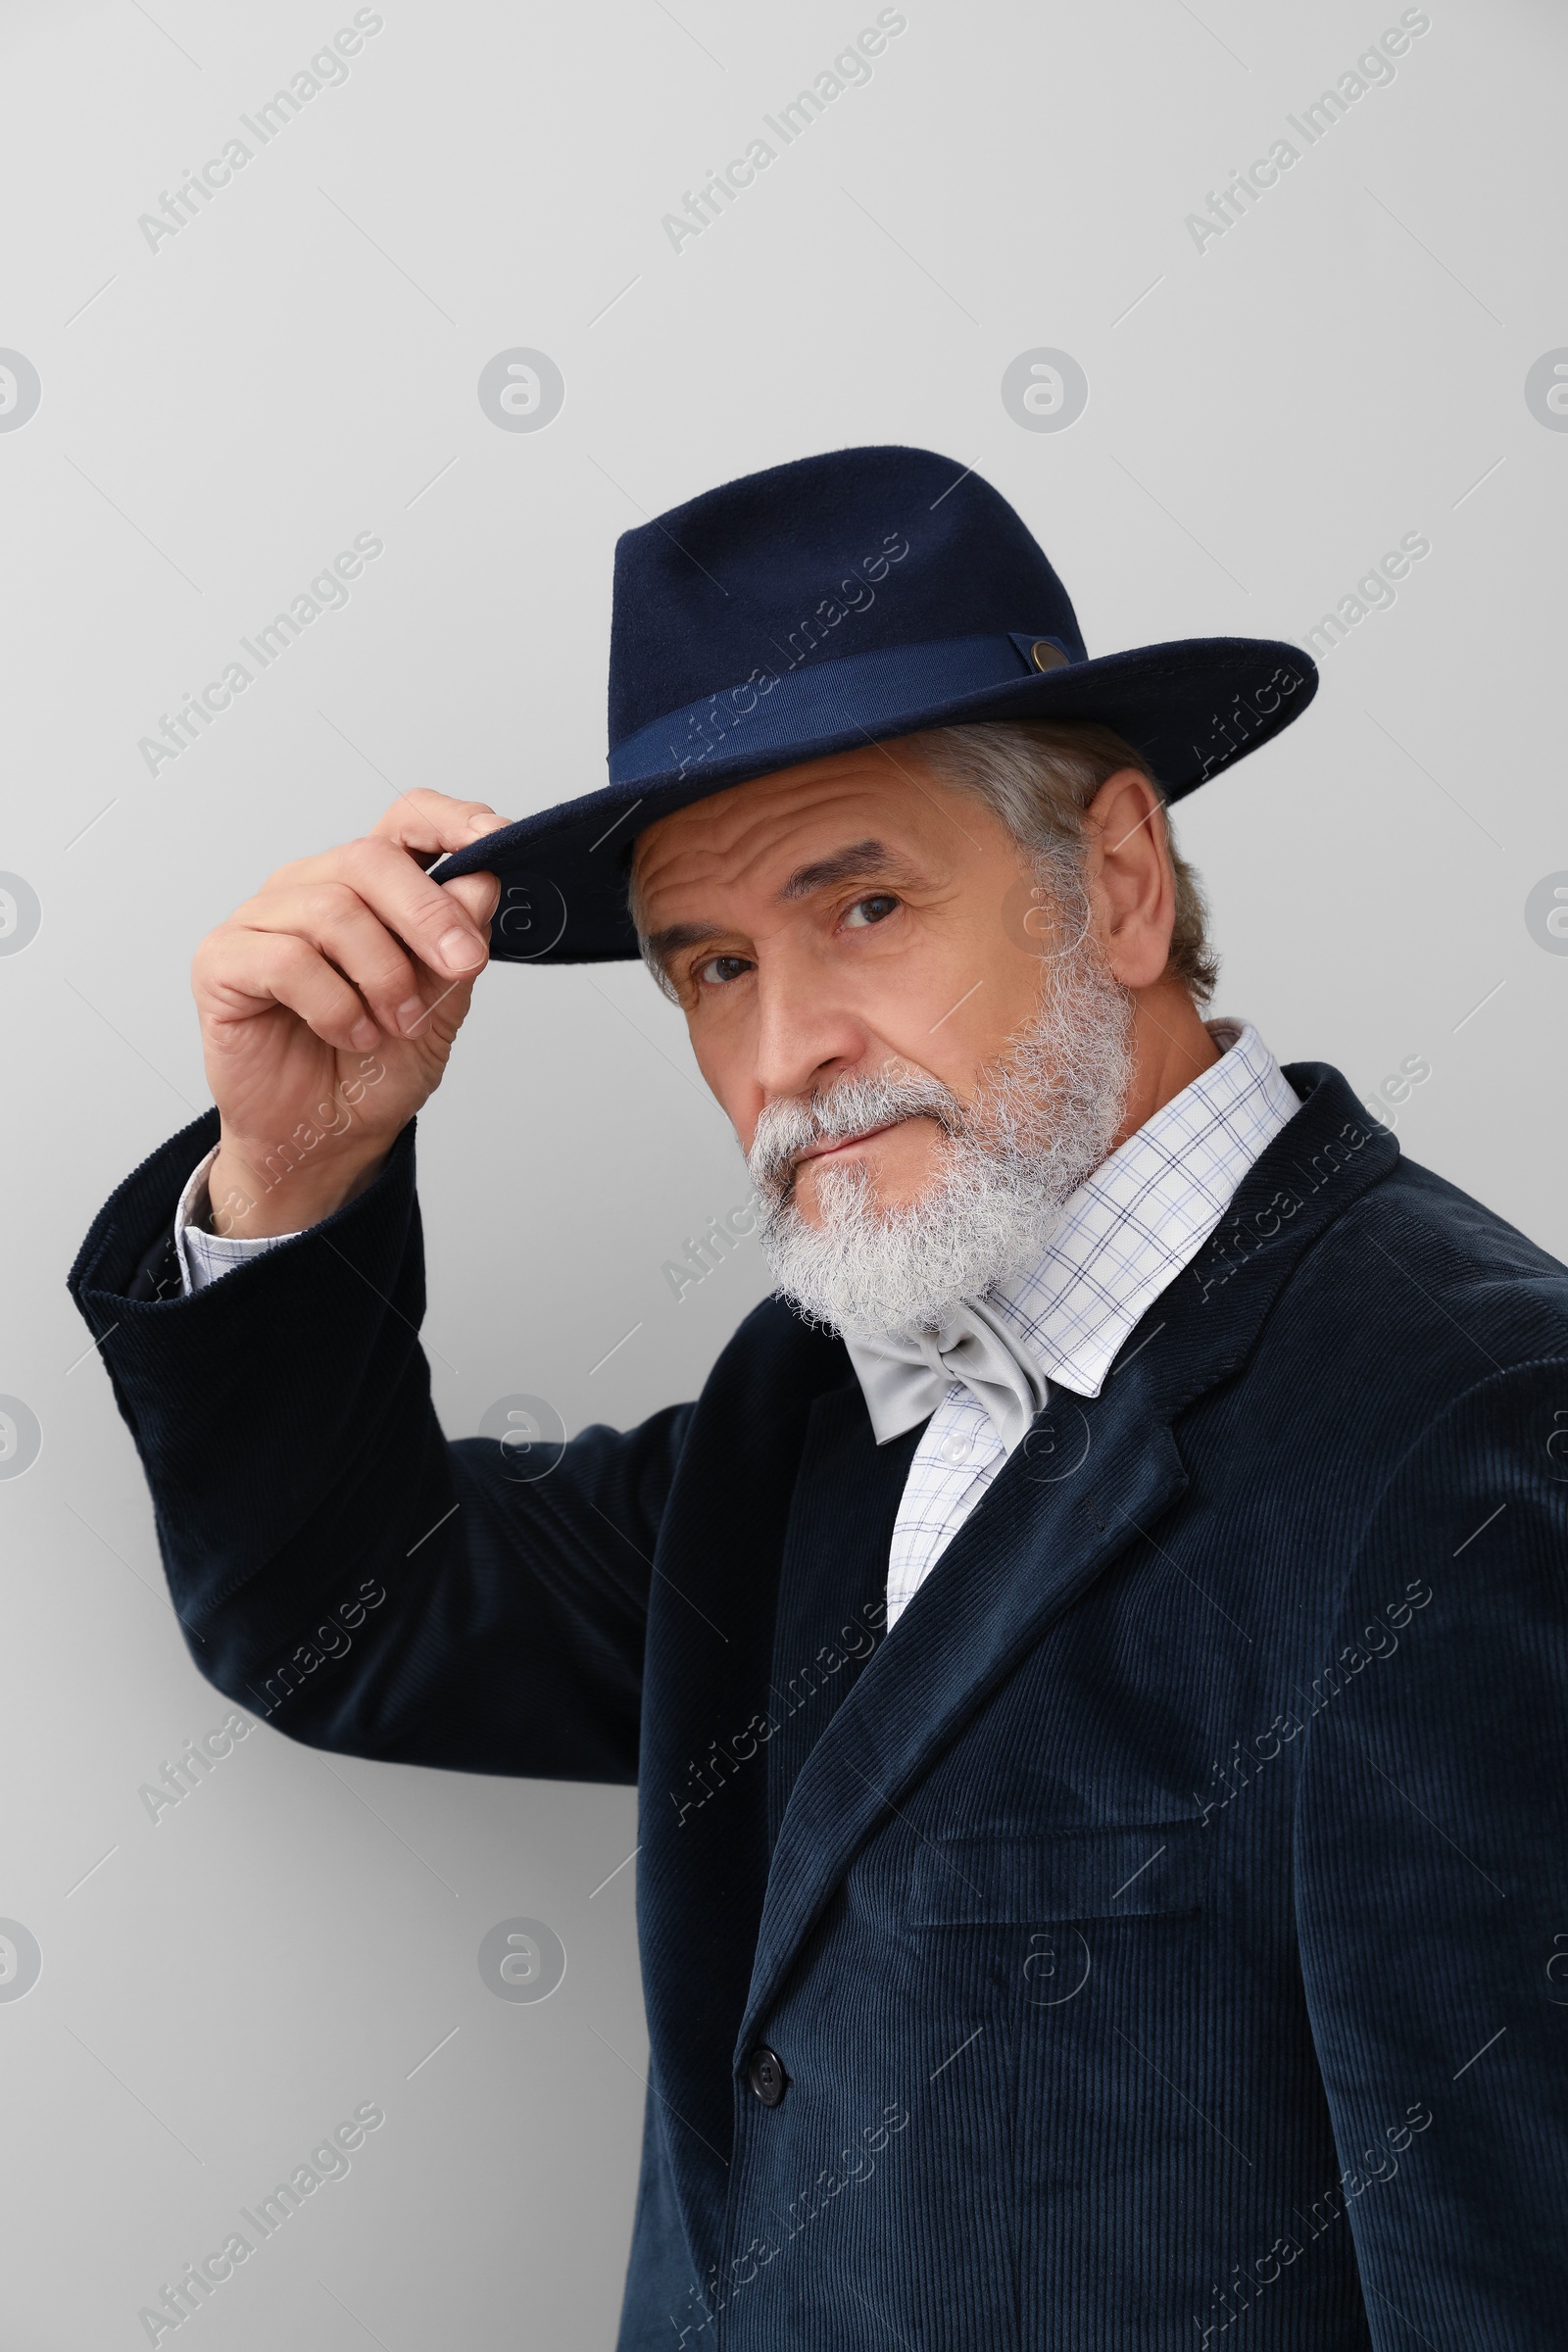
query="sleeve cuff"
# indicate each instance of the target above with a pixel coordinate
(203, 1257)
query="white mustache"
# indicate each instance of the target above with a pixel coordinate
(852, 1106)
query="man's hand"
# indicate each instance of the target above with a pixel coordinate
(328, 1004)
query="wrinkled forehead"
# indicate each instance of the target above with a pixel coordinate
(752, 838)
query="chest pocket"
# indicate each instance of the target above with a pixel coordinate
(1010, 1878)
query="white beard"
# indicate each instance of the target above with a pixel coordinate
(1042, 1118)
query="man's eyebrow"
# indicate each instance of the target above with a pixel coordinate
(857, 860)
(852, 864)
(659, 946)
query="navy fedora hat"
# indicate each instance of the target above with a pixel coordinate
(840, 601)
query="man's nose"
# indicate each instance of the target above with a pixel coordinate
(806, 1035)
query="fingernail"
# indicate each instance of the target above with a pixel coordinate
(363, 1034)
(409, 1013)
(487, 823)
(460, 950)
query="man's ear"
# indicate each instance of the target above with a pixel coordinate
(1128, 875)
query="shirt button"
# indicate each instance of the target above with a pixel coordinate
(765, 2072)
(957, 1447)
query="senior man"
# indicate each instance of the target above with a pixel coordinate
(1093, 1656)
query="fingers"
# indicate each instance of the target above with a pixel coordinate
(243, 971)
(335, 920)
(361, 935)
(436, 925)
(433, 821)
(346, 930)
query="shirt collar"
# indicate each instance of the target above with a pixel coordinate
(1145, 1212)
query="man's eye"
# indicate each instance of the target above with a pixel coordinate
(875, 910)
(718, 969)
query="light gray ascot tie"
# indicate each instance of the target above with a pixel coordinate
(904, 1380)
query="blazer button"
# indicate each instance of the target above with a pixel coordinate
(765, 2072)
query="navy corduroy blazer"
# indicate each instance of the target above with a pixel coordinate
(1162, 1934)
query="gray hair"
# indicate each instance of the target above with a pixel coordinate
(1037, 777)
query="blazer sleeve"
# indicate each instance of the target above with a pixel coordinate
(1432, 1882)
(338, 1566)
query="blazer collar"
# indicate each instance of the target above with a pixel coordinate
(1038, 1539)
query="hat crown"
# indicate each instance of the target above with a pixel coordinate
(853, 551)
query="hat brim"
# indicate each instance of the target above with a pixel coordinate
(1189, 709)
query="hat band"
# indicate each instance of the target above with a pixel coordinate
(878, 693)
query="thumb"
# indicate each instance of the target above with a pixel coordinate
(478, 894)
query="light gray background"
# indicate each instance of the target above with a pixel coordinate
(1267, 417)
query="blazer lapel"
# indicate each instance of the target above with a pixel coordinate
(1091, 1474)
(832, 1603)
